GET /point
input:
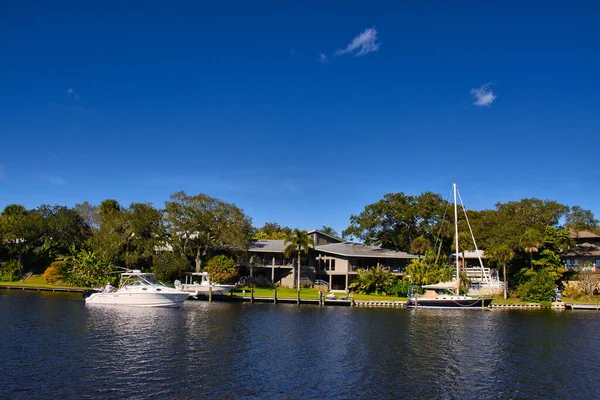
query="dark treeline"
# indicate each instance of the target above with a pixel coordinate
(85, 242)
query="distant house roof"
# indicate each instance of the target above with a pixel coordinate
(336, 239)
(361, 250)
(584, 250)
(267, 246)
(584, 235)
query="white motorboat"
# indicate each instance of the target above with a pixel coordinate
(139, 289)
(199, 283)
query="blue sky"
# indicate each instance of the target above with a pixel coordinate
(300, 113)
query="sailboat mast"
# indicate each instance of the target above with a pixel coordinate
(456, 239)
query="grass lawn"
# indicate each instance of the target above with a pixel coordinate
(38, 281)
(308, 293)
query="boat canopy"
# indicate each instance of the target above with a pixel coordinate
(443, 285)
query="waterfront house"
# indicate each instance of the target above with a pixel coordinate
(331, 260)
(586, 254)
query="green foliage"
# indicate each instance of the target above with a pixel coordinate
(198, 225)
(374, 280)
(222, 269)
(540, 287)
(272, 231)
(400, 288)
(10, 271)
(169, 266)
(329, 231)
(84, 268)
(396, 220)
(580, 219)
(426, 271)
(420, 245)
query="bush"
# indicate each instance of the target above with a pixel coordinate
(374, 280)
(222, 269)
(54, 273)
(400, 288)
(10, 271)
(540, 287)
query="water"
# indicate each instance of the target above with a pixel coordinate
(53, 346)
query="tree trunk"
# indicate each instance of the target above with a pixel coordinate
(299, 252)
(505, 284)
(198, 260)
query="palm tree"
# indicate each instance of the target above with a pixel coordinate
(297, 241)
(329, 231)
(531, 241)
(502, 254)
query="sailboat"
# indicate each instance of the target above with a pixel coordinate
(447, 294)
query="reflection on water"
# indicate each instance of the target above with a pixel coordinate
(57, 347)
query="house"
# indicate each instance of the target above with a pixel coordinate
(586, 255)
(331, 260)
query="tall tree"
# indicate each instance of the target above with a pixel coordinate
(200, 224)
(580, 219)
(296, 242)
(63, 228)
(20, 231)
(501, 254)
(396, 220)
(273, 231)
(329, 231)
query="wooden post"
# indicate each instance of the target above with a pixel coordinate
(275, 295)
(252, 294)
(298, 295)
(210, 294)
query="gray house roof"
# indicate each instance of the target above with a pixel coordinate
(267, 246)
(361, 250)
(343, 249)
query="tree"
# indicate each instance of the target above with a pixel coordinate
(62, 229)
(169, 265)
(501, 254)
(272, 231)
(426, 270)
(329, 231)
(398, 219)
(374, 280)
(297, 241)
(200, 224)
(579, 219)
(21, 232)
(222, 269)
(531, 240)
(420, 245)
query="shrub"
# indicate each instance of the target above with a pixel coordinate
(54, 273)
(374, 280)
(222, 269)
(10, 271)
(540, 287)
(169, 266)
(400, 288)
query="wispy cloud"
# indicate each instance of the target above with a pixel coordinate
(323, 57)
(72, 93)
(52, 154)
(362, 44)
(54, 180)
(484, 95)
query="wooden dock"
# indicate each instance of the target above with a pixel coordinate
(576, 306)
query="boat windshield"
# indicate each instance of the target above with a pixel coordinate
(139, 280)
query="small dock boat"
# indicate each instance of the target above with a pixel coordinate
(139, 289)
(199, 283)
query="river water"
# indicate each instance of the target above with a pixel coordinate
(54, 346)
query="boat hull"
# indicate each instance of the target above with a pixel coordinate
(205, 289)
(166, 299)
(449, 303)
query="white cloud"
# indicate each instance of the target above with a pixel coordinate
(362, 44)
(484, 96)
(71, 92)
(322, 57)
